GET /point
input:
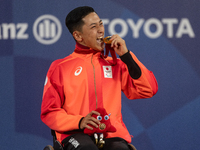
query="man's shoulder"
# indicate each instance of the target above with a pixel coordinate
(60, 61)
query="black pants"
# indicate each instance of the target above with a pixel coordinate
(81, 141)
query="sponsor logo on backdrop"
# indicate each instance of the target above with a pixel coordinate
(13, 31)
(153, 28)
(47, 29)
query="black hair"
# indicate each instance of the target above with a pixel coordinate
(74, 20)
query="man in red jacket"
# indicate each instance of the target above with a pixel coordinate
(85, 80)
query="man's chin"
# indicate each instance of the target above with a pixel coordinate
(102, 47)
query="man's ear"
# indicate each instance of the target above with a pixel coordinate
(77, 36)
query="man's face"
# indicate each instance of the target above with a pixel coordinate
(93, 32)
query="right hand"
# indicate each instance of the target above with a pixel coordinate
(90, 120)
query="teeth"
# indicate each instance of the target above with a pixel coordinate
(100, 38)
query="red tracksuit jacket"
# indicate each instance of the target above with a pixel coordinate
(83, 81)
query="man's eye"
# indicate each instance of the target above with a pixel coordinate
(93, 27)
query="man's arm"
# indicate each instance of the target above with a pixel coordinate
(133, 68)
(52, 113)
(143, 87)
(139, 82)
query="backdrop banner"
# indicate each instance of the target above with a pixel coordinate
(163, 34)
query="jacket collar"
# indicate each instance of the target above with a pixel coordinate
(81, 49)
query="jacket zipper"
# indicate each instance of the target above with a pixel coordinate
(95, 89)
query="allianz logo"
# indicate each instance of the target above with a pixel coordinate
(47, 30)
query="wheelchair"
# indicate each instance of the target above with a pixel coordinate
(58, 146)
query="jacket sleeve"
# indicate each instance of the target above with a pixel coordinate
(52, 113)
(137, 81)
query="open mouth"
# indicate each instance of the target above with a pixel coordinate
(100, 39)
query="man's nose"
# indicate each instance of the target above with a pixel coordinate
(101, 29)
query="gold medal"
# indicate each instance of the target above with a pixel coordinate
(102, 126)
(107, 40)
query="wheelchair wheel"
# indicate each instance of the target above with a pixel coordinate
(132, 147)
(48, 147)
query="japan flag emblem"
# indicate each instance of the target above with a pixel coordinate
(107, 71)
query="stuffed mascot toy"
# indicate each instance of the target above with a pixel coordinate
(104, 127)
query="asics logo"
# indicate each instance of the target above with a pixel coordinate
(78, 71)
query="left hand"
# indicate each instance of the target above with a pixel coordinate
(118, 44)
